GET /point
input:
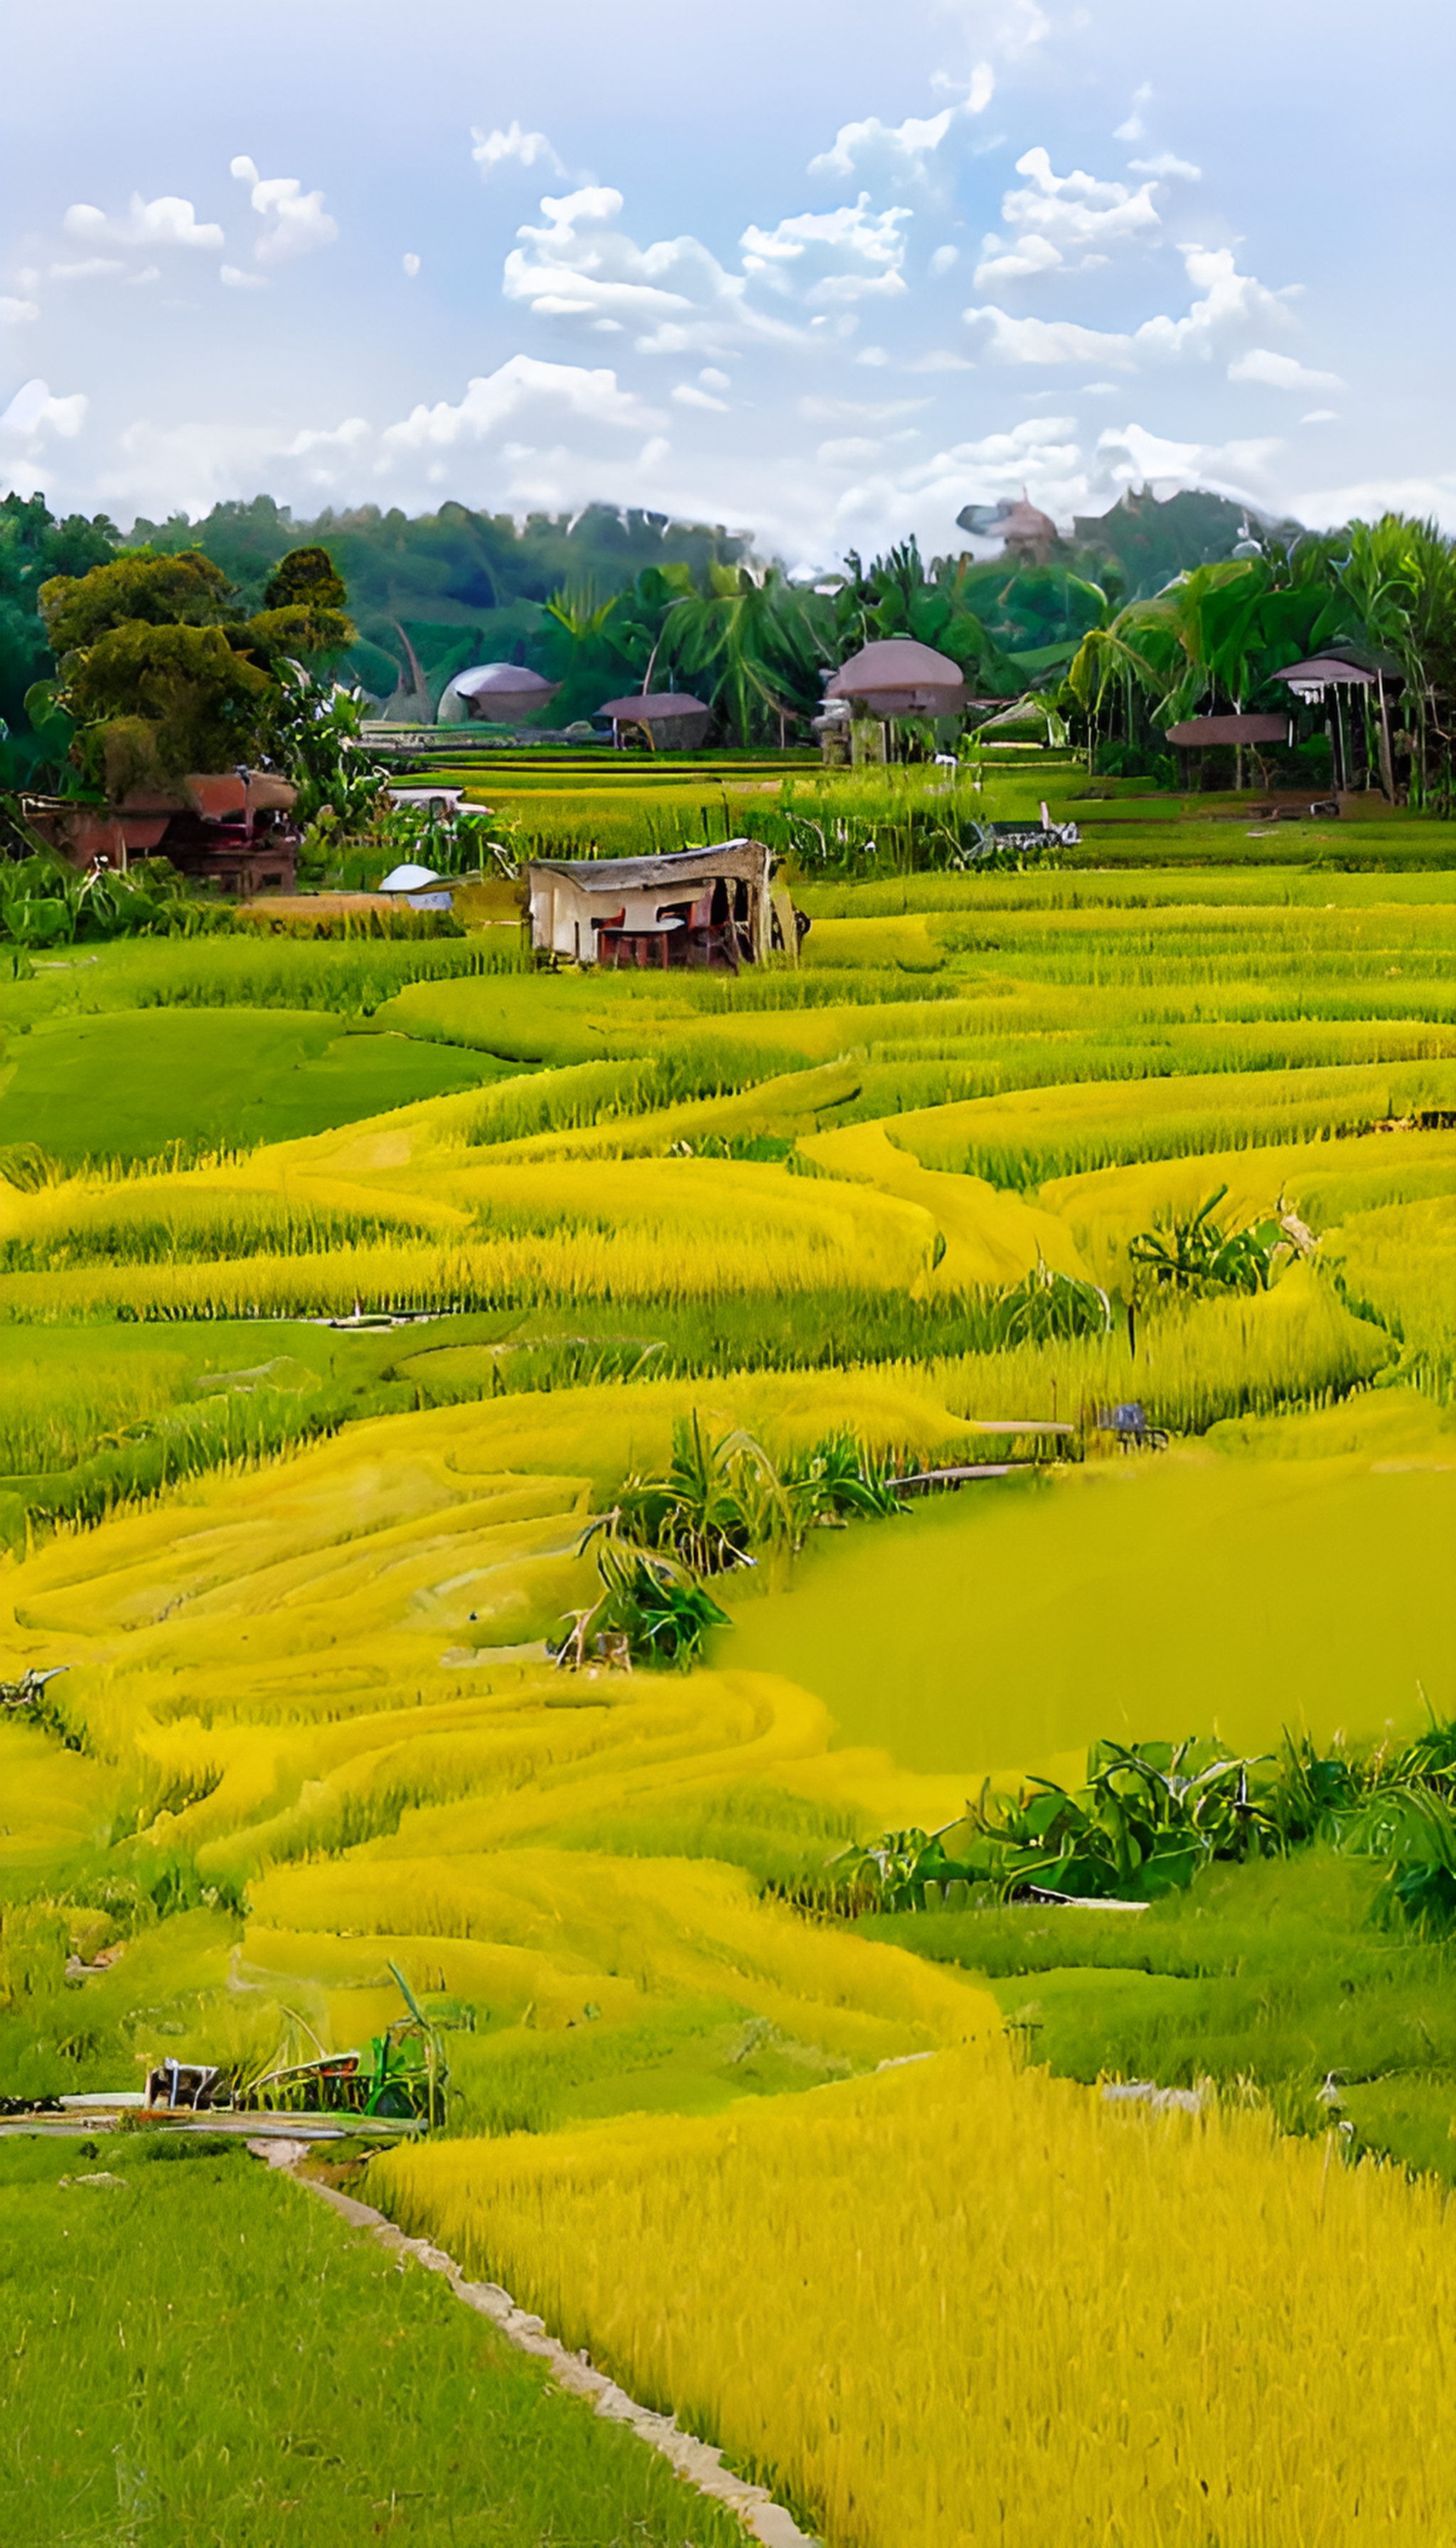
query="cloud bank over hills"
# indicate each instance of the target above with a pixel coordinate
(825, 284)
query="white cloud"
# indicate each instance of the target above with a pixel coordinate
(238, 279)
(1165, 165)
(1326, 508)
(297, 223)
(1280, 372)
(1076, 212)
(912, 139)
(169, 222)
(88, 269)
(1033, 256)
(506, 396)
(854, 230)
(1130, 456)
(712, 380)
(1233, 304)
(410, 262)
(1320, 416)
(492, 149)
(909, 144)
(33, 411)
(943, 259)
(686, 395)
(1131, 130)
(577, 266)
(15, 313)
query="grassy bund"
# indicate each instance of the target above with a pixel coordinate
(301, 1576)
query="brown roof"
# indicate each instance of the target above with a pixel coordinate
(644, 707)
(1327, 669)
(1229, 729)
(892, 664)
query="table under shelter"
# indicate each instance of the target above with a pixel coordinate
(707, 908)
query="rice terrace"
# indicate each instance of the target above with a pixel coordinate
(728, 1432)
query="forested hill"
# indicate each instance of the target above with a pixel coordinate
(432, 594)
(467, 587)
(463, 587)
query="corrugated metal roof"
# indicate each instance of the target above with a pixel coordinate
(735, 858)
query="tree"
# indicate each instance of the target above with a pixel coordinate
(35, 546)
(163, 674)
(307, 579)
(163, 592)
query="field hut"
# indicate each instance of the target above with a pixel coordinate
(671, 720)
(1327, 681)
(704, 908)
(1236, 734)
(232, 829)
(898, 676)
(497, 694)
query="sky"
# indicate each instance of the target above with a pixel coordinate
(825, 273)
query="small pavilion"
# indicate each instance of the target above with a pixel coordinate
(707, 908)
(671, 720)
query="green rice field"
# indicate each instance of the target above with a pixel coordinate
(346, 1287)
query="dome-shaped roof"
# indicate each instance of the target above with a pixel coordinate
(486, 681)
(644, 707)
(501, 694)
(893, 664)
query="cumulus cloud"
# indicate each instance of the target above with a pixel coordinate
(943, 259)
(15, 313)
(577, 265)
(168, 222)
(520, 387)
(238, 279)
(295, 223)
(492, 149)
(1129, 455)
(1320, 416)
(1280, 372)
(908, 145)
(411, 263)
(1232, 305)
(687, 393)
(33, 412)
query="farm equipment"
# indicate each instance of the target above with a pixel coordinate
(30, 1688)
(402, 2079)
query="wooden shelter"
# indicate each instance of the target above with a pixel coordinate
(702, 908)
(671, 720)
(232, 829)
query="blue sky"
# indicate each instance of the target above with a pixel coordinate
(825, 272)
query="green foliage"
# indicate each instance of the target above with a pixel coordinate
(155, 701)
(1194, 1254)
(159, 592)
(1151, 1815)
(305, 578)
